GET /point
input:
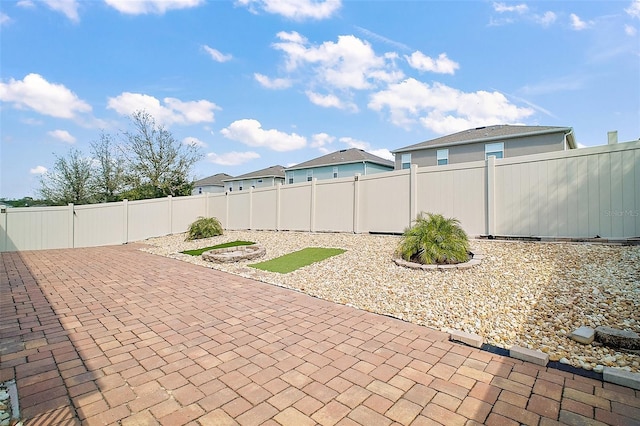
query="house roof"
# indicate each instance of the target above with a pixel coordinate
(215, 180)
(344, 156)
(490, 133)
(273, 171)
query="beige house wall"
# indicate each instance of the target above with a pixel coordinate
(578, 193)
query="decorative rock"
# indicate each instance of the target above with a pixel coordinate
(584, 335)
(621, 377)
(564, 361)
(617, 338)
(598, 368)
(529, 355)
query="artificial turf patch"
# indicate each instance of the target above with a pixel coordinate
(292, 261)
(198, 252)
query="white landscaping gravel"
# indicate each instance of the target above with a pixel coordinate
(527, 294)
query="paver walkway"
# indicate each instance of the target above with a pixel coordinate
(113, 335)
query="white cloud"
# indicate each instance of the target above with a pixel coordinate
(630, 30)
(349, 63)
(634, 9)
(295, 9)
(174, 111)
(4, 18)
(382, 153)
(231, 158)
(422, 62)
(272, 83)
(383, 39)
(578, 24)
(444, 109)
(27, 4)
(216, 55)
(67, 7)
(547, 19)
(193, 142)
(330, 101)
(502, 8)
(62, 135)
(251, 133)
(46, 98)
(141, 7)
(320, 140)
(38, 170)
(366, 146)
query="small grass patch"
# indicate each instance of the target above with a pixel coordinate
(292, 261)
(198, 252)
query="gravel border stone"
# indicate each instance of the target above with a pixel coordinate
(525, 294)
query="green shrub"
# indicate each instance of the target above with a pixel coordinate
(204, 227)
(434, 240)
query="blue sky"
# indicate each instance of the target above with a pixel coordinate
(255, 83)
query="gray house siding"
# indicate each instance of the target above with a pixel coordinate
(327, 172)
(475, 151)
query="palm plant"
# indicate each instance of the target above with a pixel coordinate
(204, 227)
(434, 240)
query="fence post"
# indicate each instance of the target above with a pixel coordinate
(413, 193)
(251, 207)
(491, 195)
(125, 221)
(312, 224)
(356, 203)
(278, 189)
(72, 225)
(3, 216)
(170, 207)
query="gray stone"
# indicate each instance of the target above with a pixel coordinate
(617, 338)
(584, 335)
(621, 377)
(529, 355)
(467, 338)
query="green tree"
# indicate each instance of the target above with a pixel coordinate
(108, 177)
(69, 181)
(434, 240)
(157, 164)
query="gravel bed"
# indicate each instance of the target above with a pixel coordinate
(528, 294)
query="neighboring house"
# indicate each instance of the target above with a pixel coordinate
(501, 141)
(258, 179)
(343, 163)
(212, 184)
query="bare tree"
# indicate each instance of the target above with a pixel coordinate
(69, 181)
(157, 164)
(108, 177)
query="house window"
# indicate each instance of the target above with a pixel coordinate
(494, 149)
(335, 172)
(290, 177)
(259, 180)
(442, 156)
(406, 161)
(309, 175)
(240, 185)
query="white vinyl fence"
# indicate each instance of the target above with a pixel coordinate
(579, 193)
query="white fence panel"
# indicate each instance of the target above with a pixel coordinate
(384, 202)
(458, 191)
(239, 210)
(38, 228)
(334, 205)
(99, 225)
(185, 210)
(295, 207)
(148, 218)
(217, 207)
(264, 209)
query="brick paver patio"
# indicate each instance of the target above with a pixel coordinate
(113, 335)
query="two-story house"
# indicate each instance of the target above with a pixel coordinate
(501, 141)
(343, 163)
(213, 184)
(258, 179)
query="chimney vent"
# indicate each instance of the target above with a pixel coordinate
(612, 137)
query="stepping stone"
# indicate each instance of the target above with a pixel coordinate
(617, 338)
(584, 335)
